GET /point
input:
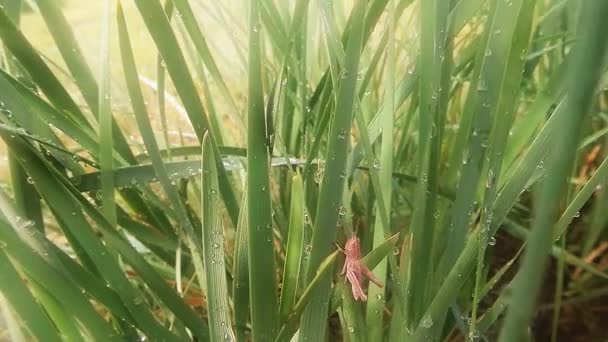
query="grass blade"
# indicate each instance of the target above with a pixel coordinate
(106, 159)
(262, 285)
(292, 274)
(220, 327)
(330, 198)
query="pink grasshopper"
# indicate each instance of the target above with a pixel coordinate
(355, 270)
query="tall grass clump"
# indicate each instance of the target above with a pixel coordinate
(196, 172)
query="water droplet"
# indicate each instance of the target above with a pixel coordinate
(427, 322)
(30, 180)
(319, 174)
(308, 249)
(395, 250)
(541, 164)
(492, 241)
(342, 211)
(377, 165)
(577, 214)
(306, 218)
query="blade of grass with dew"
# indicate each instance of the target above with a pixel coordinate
(432, 46)
(166, 43)
(262, 271)
(313, 320)
(160, 85)
(375, 305)
(23, 303)
(354, 326)
(106, 159)
(240, 282)
(66, 323)
(292, 273)
(587, 57)
(517, 39)
(220, 326)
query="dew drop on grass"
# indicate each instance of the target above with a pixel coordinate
(342, 211)
(319, 174)
(492, 241)
(427, 322)
(377, 165)
(308, 249)
(30, 180)
(577, 214)
(306, 218)
(351, 329)
(395, 250)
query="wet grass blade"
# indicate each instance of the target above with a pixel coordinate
(220, 326)
(106, 159)
(240, 282)
(330, 198)
(292, 273)
(262, 269)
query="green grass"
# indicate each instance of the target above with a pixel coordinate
(185, 170)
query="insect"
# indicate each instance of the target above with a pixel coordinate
(355, 270)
